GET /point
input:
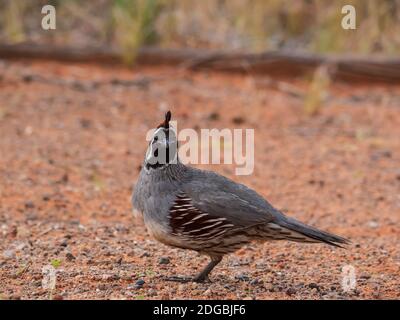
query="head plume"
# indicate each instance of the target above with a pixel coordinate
(165, 123)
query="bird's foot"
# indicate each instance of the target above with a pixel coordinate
(183, 279)
(200, 278)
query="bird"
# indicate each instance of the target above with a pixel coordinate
(203, 211)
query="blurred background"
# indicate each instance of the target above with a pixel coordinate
(251, 25)
(76, 104)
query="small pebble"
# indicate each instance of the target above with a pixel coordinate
(139, 283)
(181, 288)
(214, 116)
(291, 291)
(255, 282)
(238, 120)
(29, 205)
(242, 277)
(145, 254)
(102, 287)
(27, 78)
(373, 224)
(208, 292)
(152, 292)
(365, 276)
(313, 286)
(8, 254)
(269, 287)
(70, 256)
(164, 260)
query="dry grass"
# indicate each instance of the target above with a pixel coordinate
(318, 91)
(134, 25)
(251, 25)
(12, 15)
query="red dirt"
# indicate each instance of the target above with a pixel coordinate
(72, 141)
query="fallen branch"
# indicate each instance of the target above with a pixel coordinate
(272, 63)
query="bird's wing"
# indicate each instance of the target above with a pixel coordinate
(237, 204)
(220, 197)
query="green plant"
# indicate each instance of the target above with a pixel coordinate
(56, 263)
(150, 273)
(134, 25)
(13, 20)
(98, 182)
(318, 90)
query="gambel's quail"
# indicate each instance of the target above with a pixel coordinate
(203, 211)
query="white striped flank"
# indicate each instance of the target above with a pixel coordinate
(204, 232)
(194, 225)
(200, 216)
(206, 227)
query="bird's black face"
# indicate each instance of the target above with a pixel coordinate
(163, 147)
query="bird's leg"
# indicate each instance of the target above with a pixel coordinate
(203, 275)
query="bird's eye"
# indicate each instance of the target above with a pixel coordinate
(155, 139)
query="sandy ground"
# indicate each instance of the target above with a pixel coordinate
(72, 139)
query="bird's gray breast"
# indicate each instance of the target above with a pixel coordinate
(155, 196)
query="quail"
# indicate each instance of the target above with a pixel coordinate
(200, 210)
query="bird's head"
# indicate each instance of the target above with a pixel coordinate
(162, 149)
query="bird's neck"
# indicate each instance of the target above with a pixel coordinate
(171, 171)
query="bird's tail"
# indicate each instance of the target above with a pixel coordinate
(312, 234)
